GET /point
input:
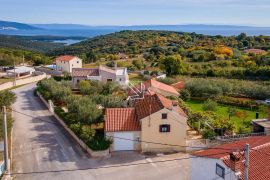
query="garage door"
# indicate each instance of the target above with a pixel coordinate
(122, 144)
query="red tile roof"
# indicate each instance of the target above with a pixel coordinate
(259, 156)
(179, 85)
(127, 119)
(148, 105)
(121, 119)
(255, 51)
(159, 85)
(154, 103)
(154, 84)
(65, 58)
(84, 72)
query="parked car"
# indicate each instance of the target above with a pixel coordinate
(267, 101)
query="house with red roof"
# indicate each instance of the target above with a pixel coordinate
(179, 85)
(150, 125)
(255, 51)
(227, 161)
(152, 86)
(66, 63)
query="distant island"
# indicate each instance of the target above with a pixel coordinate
(15, 28)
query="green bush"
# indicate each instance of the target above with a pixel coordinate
(76, 128)
(99, 144)
(240, 102)
(210, 105)
(86, 133)
(208, 134)
(185, 94)
(7, 98)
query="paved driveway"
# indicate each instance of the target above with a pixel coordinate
(42, 150)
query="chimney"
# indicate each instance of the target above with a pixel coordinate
(235, 160)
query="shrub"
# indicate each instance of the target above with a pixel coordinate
(138, 63)
(60, 112)
(7, 98)
(86, 133)
(85, 87)
(167, 80)
(76, 128)
(99, 143)
(209, 105)
(208, 134)
(185, 94)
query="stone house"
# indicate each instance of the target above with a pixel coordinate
(66, 63)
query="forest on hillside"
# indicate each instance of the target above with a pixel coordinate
(175, 53)
(179, 53)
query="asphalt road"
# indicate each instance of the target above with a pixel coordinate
(42, 150)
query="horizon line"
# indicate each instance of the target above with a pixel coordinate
(130, 25)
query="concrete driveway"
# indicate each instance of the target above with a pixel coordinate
(42, 150)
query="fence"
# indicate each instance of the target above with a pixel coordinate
(239, 136)
(198, 144)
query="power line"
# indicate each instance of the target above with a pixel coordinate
(150, 142)
(123, 165)
(112, 166)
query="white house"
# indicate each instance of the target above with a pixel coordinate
(67, 63)
(101, 73)
(227, 161)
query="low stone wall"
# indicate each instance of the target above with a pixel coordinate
(98, 154)
(6, 85)
(92, 153)
(23, 81)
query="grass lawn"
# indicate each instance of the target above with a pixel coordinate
(222, 111)
(135, 78)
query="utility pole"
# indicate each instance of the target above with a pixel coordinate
(246, 161)
(6, 157)
(23, 59)
(14, 73)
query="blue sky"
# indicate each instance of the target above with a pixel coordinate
(138, 12)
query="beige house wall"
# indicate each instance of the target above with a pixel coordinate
(107, 75)
(67, 66)
(176, 136)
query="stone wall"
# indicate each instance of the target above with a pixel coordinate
(39, 76)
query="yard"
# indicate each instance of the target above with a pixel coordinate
(135, 78)
(196, 105)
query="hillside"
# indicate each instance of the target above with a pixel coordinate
(179, 53)
(16, 26)
(40, 44)
(160, 42)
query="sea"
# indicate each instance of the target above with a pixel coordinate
(88, 33)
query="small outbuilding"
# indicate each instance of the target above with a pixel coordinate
(20, 71)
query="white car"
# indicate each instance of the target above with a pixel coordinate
(267, 101)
